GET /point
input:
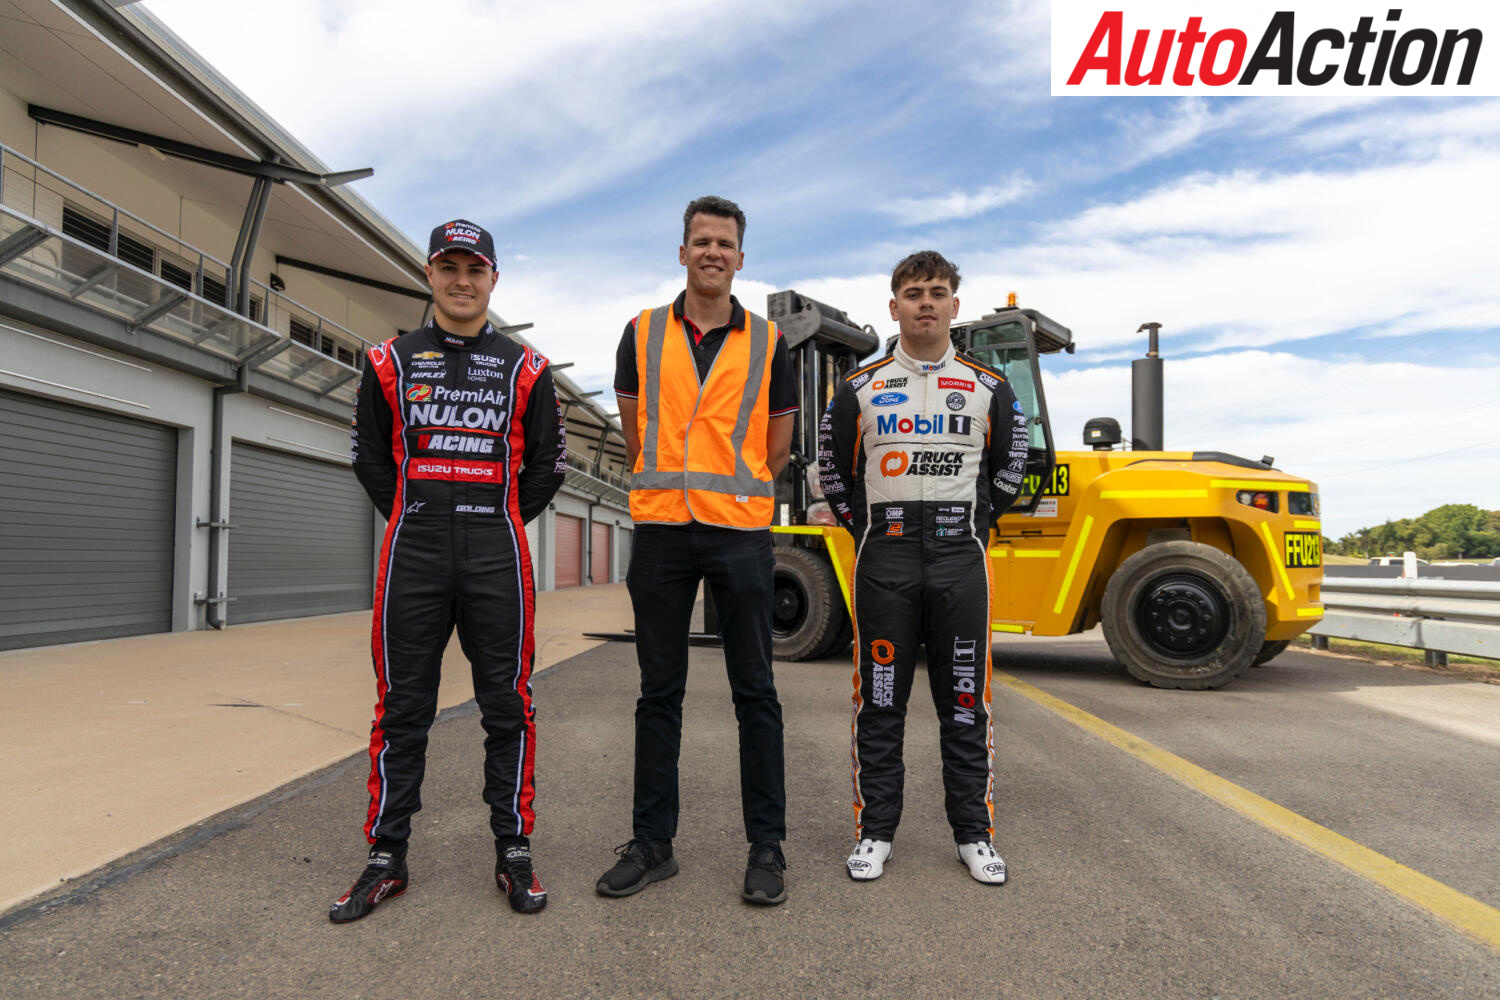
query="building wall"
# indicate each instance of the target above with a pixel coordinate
(206, 213)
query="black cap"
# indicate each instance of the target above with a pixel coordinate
(461, 234)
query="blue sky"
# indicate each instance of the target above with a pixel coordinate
(1324, 268)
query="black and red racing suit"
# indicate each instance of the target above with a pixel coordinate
(917, 458)
(459, 442)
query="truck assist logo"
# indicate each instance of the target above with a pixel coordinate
(1256, 47)
(921, 463)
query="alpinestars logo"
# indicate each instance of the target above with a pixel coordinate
(1257, 47)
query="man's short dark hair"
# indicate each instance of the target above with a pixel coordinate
(713, 205)
(924, 265)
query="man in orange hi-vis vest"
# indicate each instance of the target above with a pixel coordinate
(706, 402)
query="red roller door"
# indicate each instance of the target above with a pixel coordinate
(568, 567)
(599, 553)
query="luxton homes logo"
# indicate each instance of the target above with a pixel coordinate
(1262, 47)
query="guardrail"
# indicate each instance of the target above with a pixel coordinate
(1438, 616)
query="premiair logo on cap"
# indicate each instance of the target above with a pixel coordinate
(462, 234)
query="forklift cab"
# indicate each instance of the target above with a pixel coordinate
(1009, 341)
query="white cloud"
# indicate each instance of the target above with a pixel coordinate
(1253, 258)
(958, 204)
(1383, 440)
(554, 98)
(1013, 59)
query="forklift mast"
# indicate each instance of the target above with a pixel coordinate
(824, 345)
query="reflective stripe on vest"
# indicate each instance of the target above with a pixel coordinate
(671, 483)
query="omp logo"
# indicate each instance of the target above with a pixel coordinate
(1259, 47)
(417, 393)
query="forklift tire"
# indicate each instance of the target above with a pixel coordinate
(1269, 650)
(1183, 615)
(839, 644)
(807, 608)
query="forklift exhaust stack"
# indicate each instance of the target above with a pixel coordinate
(1146, 397)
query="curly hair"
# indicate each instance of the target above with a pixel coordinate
(924, 265)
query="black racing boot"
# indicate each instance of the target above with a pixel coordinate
(516, 878)
(384, 878)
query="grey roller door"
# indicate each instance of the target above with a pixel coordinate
(302, 542)
(86, 516)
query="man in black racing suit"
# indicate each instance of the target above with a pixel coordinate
(919, 452)
(458, 440)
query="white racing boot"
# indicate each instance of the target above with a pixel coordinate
(982, 861)
(868, 860)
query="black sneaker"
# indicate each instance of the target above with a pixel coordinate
(765, 884)
(516, 878)
(384, 878)
(641, 863)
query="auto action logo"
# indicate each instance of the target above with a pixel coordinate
(1257, 47)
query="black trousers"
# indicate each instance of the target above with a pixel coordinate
(911, 591)
(666, 564)
(435, 573)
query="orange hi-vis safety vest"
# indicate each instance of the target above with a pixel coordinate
(703, 446)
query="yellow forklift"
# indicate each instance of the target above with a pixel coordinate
(1199, 564)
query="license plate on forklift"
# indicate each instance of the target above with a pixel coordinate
(1304, 549)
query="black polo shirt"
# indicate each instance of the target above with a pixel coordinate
(783, 390)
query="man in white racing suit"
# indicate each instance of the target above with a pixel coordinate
(919, 453)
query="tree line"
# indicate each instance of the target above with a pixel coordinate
(1452, 531)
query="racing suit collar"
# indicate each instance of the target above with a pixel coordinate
(922, 367)
(453, 342)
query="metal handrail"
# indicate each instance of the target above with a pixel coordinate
(585, 465)
(7, 152)
(320, 322)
